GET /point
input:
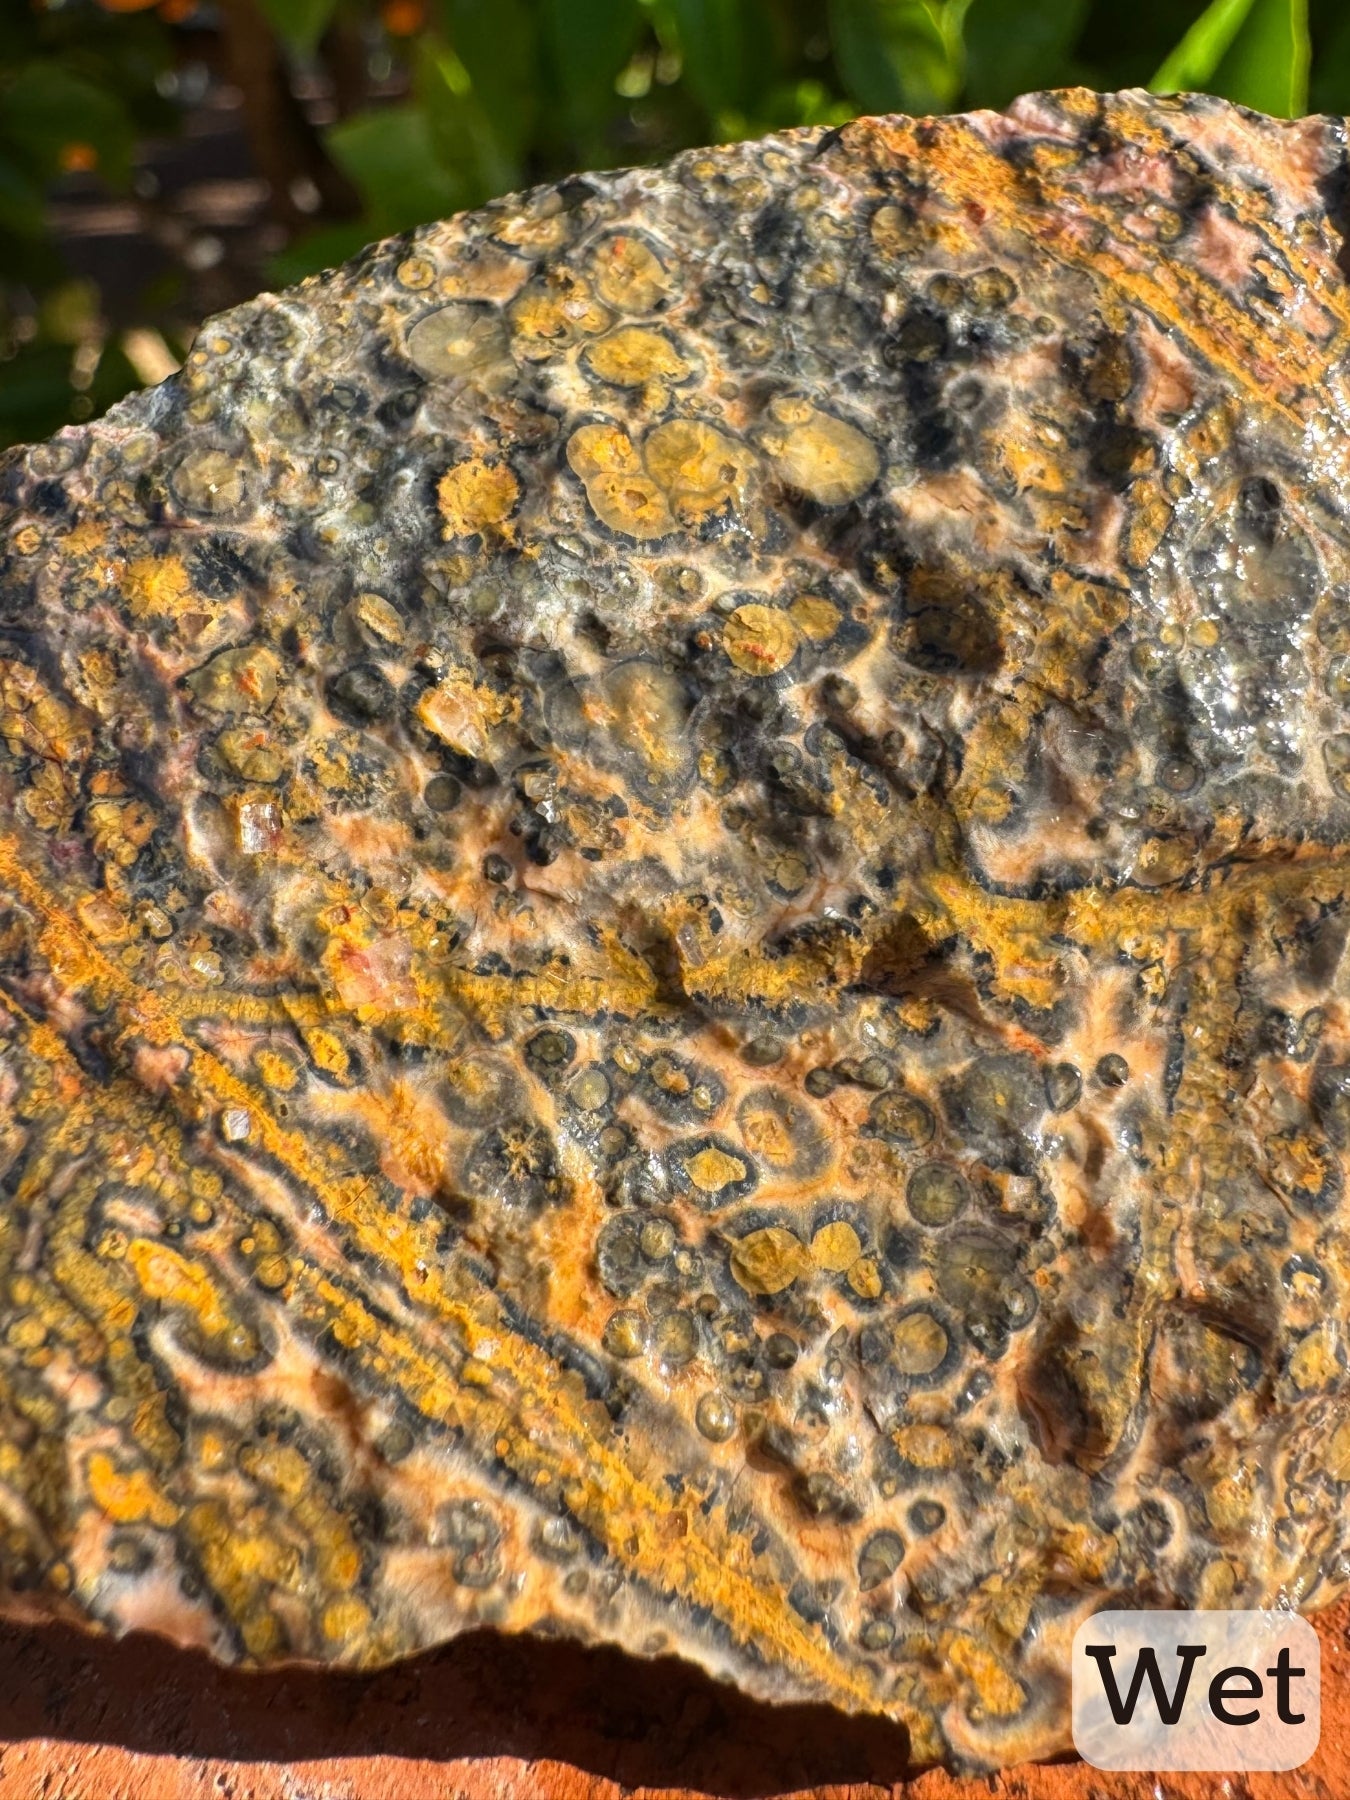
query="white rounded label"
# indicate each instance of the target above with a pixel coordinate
(1220, 1691)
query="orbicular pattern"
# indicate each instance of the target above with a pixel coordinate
(674, 889)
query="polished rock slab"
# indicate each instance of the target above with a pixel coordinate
(674, 900)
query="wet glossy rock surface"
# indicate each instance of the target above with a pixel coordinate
(673, 869)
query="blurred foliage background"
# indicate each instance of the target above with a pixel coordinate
(161, 159)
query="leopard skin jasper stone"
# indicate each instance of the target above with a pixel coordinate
(674, 867)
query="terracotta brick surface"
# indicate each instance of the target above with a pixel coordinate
(497, 1719)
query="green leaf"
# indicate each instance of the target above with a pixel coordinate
(300, 22)
(899, 55)
(35, 394)
(1253, 51)
(389, 154)
(714, 46)
(1190, 67)
(21, 208)
(798, 103)
(1267, 64)
(1013, 47)
(459, 127)
(589, 42)
(47, 106)
(1331, 67)
(494, 41)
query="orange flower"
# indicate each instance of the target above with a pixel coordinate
(401, 18)
(76, 157)
(173, 12)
